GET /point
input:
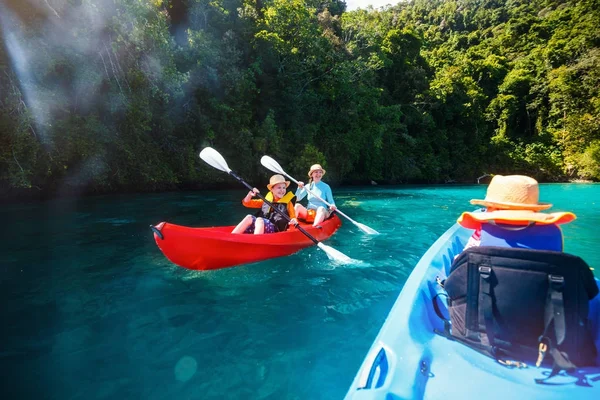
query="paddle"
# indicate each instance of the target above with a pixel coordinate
(274, 166)
(214, 159)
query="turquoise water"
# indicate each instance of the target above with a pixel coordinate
(91, 308)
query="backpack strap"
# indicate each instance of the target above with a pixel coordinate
(554, 314)
(557, 307)
(486, 301)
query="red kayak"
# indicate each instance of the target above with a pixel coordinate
(217, 247)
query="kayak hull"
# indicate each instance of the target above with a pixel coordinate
(408, 360)
(217, 247)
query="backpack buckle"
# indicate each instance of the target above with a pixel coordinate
(556, 281)
(440, 281)
(542, 349)
(485, 271)
(512, 363)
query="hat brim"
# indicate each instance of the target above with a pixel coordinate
(287, 184)
(511, 206)
(313, 170)
(473, 220)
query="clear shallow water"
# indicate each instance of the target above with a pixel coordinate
(91, 309)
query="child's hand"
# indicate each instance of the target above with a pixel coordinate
(251, 194)
(300, 184)
(332, 207)
(293, 221)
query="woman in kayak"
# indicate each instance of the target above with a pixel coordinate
(268, 220)
(513, 200)
(316, 210)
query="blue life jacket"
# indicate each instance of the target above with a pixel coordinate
(535, 237)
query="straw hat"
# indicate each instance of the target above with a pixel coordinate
(514, 217)
(516, 198)
(315, 167)
(513, 192)
(275, 179)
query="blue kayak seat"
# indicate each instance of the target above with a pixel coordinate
(535, 237)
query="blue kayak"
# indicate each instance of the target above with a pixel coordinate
(409, 360)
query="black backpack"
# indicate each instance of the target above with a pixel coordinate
(521, 304)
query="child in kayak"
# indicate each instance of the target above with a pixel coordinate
(267, 219)
(315, 211)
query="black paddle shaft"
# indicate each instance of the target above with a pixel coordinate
(301, 229)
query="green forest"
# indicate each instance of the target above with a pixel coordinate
(121, 95)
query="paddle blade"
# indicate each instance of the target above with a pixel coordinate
(334, 254)
(366, 229)
(214, 159)
(360, 226)
(271, 164)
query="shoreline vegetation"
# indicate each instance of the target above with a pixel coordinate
(580, 181)
(14, 196)
(115, 96)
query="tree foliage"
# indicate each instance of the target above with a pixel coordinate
(121, 95)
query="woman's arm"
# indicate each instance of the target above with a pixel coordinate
(329, 196)
(300, 192)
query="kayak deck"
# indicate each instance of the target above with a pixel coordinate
(408, 360)
(217, 247)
